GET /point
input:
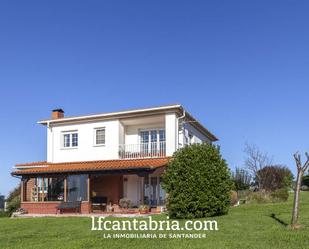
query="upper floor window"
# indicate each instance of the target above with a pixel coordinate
(70, 139)
(99, 136)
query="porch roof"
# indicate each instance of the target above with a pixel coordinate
(89, 166)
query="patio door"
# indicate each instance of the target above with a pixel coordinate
(154, 194)
(152, 142)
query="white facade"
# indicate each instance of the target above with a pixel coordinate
(125, 135)
(86, 149)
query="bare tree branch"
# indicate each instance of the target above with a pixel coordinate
(256, 160)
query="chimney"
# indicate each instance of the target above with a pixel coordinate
(57, 113)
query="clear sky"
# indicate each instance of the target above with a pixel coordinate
(240, 67)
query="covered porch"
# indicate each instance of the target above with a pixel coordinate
(99, 186)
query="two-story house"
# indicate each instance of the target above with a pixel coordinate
(107, 157)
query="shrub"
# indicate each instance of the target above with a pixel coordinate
(124, 203)
(234, 198)
(13, 200)
(198, 183)
(268, 197)
(243, 194)
(305, 180)
(259, 197)
(144, 208)
(3, 214)
(275, 177)
(280, 195)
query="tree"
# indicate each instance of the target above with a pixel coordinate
(13, 200)
(241, 179)
(275, 177)
(198, 183)
(300, 172)
(255, 161)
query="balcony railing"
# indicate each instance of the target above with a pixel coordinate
(143, 150)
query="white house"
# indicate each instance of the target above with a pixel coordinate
(99, 159)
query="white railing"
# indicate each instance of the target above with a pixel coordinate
(143, 150)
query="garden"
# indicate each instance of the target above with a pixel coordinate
(245, 226)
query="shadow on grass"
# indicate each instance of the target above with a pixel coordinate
(278, 220)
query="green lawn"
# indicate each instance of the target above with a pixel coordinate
(247, 226)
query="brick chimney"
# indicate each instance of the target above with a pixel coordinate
(57, 113)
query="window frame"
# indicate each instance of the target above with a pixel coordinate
(149, 130)
(95, 136)
(63, 142)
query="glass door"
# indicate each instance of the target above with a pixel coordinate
(144, 142)
(153, 190)
(154, 194)
(152, 142)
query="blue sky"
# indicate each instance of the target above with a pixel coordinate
(240, 67)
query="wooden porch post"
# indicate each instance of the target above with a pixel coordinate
(142, 190)
(37, 190)
(65, 189)
(22, 190)
(42, 189)
(88, 186)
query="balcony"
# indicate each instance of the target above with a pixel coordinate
(143, 150)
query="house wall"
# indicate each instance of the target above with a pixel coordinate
(170, 132)
(110, 186)
(86, 150)
(50, 207)
(132, 131)
(198, 137)
(132, 189)
(27, 191)
(116, 133)
(124, 131)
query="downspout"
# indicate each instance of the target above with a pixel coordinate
(182, 128)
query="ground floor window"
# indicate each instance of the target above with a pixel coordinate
(53, 188)
(77, 188)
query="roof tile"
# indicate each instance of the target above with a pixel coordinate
(103, 165)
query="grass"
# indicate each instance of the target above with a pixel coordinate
(247, 226)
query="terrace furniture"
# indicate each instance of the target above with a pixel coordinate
(69, 205)
(99, 202)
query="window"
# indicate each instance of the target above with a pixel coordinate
(99, 136)
(55, 189)
(66, 138)
(152, 140)
(77, 187)
(47, 189)
(41, 184)
(69, 139)
(74, 139)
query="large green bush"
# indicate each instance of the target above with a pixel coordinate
(198, 182)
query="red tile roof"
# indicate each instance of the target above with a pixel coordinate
(104, 165)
